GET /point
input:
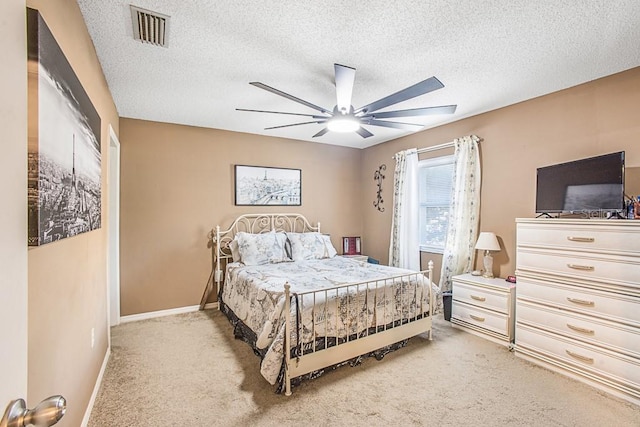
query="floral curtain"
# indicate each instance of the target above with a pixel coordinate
(464, 214)
(404, 249)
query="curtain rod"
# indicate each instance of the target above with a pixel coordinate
(432, 148)
(437, 147)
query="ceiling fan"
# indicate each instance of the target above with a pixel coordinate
(344, 118)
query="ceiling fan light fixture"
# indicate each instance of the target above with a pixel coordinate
(346, 123)
(345, 119)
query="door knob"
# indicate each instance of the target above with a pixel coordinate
(47, 413)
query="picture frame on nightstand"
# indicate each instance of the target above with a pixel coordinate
(351, 246)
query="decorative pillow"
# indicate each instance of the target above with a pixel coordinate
(235, 251)
(256, 249)
(310, 246)
(331, 250)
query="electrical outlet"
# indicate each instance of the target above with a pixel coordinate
(93, 337)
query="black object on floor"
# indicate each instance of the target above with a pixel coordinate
(446, 301)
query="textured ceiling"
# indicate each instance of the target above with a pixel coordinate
(488, 54)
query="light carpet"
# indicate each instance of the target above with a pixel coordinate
(188, 370)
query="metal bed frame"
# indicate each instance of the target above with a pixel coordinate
(309, 357)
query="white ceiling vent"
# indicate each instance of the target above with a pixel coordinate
(150, 27)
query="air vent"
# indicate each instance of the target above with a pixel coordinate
(150, 27)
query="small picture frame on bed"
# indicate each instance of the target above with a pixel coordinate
(351, 246)
(267, 186)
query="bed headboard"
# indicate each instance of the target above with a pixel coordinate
(254, 224)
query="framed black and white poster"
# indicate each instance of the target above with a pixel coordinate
(261, 185)
(64, 157)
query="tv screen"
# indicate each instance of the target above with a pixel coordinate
(596, 183)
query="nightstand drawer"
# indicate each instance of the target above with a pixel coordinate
(479, 317)
(481, 297)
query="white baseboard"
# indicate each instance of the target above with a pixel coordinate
(169, 312)
(96, 389)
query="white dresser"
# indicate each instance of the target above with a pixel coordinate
(578, 301)
(484, 307)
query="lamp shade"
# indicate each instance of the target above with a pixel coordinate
(488, 241)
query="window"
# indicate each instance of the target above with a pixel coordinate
(436, 183)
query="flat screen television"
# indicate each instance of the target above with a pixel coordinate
(595, 183)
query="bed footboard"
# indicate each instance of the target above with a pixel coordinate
(382, 312)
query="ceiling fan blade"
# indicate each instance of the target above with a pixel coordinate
(295, 124)
(322, 132)
(417, 89)
(395, 125)
(281, 112)
(345, 77)
(291, 97)
(443, 109)
(363, 132)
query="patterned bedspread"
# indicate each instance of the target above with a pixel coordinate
(255, 294)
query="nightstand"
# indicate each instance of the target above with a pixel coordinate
(484, 307)
(363, 258)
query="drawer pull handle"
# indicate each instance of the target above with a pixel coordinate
(477, 298)
(579, 329)
(478, 318)
(581, 301)
(580, 357)
(581, 239)
(581, 267)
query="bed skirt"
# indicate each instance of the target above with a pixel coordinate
(244, 333)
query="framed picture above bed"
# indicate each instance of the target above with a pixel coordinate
(264, 186)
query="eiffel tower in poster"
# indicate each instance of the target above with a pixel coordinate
(74, 183)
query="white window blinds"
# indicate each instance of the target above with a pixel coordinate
(436, 182)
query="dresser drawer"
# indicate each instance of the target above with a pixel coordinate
(617, 239)
(594, 331)
(622, 270)
(606, 305)
(481, 297)
(597, 362)
(486, 319)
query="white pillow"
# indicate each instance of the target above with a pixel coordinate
(257, 249)
(235, 251)
(331, 251)
(310, 246)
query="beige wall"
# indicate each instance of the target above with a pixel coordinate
(177, 185)
(67, 279)
(632, 182)
(592, 119)
(13, 214)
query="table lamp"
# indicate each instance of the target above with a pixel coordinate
(487, 242)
